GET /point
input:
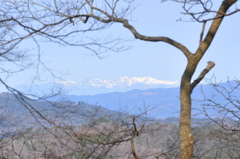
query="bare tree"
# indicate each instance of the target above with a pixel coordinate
(221, 105)
(58, 21)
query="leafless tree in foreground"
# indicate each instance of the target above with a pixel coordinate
(224, 102)
(222, 107)
(59, 21)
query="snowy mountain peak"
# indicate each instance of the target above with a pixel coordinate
(67, 83)
(93, 86)
(129, 81)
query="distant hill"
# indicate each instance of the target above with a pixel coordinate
(160, 102)
(80, 112)
(27, 112)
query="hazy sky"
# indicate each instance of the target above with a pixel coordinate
(158, 60)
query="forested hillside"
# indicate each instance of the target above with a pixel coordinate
(86, 131)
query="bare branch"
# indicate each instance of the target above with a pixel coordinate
(202, 75)
(202, 33)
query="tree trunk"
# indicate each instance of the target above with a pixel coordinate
(186, 150)
(185, 125)
(187, 140)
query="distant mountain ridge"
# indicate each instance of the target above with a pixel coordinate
(159, 102)
(92, 86)
(126, 81)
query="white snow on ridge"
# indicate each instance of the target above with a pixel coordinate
(93, 86)
(122, 81)
(67, 82)
(129, 81)
(152, 81)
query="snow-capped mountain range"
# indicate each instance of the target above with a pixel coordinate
(91, 86)
(126, 81)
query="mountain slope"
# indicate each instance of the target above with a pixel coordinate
(160, 102)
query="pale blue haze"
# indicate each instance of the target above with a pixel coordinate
(144, 59)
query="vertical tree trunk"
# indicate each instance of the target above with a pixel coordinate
(186, 150)
(187, 140)
(185, 123)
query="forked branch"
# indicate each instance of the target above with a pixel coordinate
(202, 74)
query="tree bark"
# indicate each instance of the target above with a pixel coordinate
(186, 149)
(186, 88)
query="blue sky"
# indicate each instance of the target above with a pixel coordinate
(158, 60)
